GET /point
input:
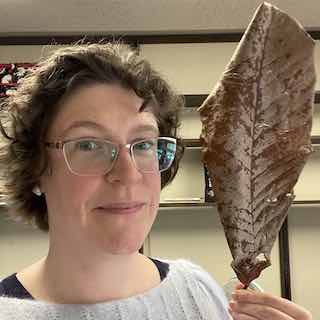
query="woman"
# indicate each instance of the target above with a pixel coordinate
(92, 132)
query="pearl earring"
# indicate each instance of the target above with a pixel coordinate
(36, 190)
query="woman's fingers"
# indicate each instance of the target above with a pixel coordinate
(266, 306)
(239, 286)
(240, 316)
(256, 312)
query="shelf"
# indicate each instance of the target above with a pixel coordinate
(186, 204)
(195, 100)
(204, 204)
(191, 126)
(195, 143)
(192, 143)
(213, 204)
(315, 139)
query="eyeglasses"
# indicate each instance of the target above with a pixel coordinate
(94, 157)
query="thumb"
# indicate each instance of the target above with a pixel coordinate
(239, 286)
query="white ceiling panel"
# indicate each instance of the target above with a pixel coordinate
(44, 17)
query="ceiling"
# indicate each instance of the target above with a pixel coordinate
(75, 17)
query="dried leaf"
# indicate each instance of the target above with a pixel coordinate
(256, 127)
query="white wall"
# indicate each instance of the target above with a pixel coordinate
(195, 68)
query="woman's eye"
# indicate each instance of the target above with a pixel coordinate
(87, 145)
(145, 145)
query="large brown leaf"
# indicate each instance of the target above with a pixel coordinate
(255, 136)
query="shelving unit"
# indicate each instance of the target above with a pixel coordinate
(193, 119)
(192, 143)
(193, 79)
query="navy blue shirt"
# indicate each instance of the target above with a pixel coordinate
(12, 287)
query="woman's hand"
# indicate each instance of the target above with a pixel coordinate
(250, 305)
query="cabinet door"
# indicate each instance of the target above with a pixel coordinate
(20, 245)
(316, 119)
(191, 126)
(307, 187)
(304, 243)
(191, 68)
(196, 67)
(196, 234)
(188, 185)
(317, 62)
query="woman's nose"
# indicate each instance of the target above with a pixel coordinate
(124, 169)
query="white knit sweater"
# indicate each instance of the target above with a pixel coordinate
(188, 292)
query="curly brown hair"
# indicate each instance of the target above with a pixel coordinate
(27, 114)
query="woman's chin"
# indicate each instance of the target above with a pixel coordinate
(123, 248)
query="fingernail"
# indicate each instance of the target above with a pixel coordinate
(234, 296)
(238, 293)
(231, 311)
(233, 314)
(232, 304)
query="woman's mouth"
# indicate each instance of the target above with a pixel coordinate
(122, 208)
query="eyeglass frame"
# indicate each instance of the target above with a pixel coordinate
(60, 145)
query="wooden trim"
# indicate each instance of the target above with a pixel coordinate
(307, 202)
(190, 38)
(232, 36)
(191, 143)
(138, 39)
(315, 34)
(284, 256)
(194, 100)
(315, 140)
(59, 40)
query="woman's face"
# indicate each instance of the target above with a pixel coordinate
(79, 206)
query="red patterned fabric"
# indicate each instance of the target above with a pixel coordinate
(10, 76)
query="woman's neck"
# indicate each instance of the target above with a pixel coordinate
(66, 279)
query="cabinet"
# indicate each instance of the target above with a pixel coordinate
(304, 239)
(188, 227)
(20, 245)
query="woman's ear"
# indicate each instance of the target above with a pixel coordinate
(44, 179)
(36, 190)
